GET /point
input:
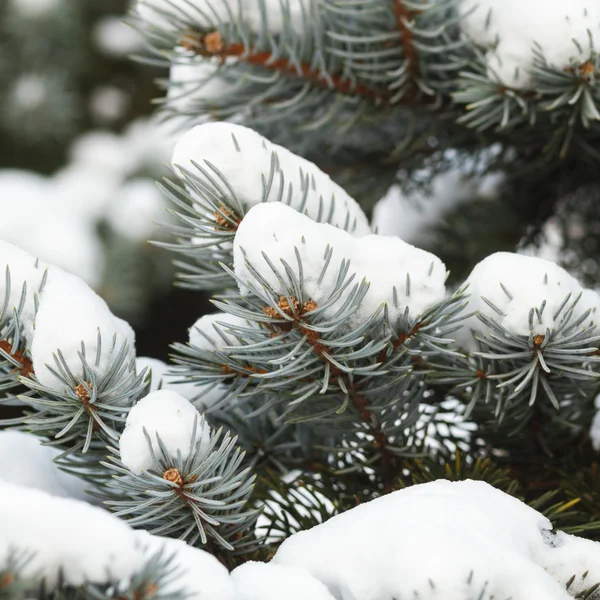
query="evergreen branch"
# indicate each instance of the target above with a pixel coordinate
(91, 409)
(199, 498)
(212, 45)
(14, 584)
(295, 312)
(404, 15)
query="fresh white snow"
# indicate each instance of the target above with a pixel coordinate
(440, 540)
(511, 28)
(270, 581)
(71, 316)
(528, 282)
(83, 543)
(106, 178)
(385, 262)
(115, 38)
(24, 270)
(247, 161)
(34, 9)
(169, 416)
(199, 573)
(443, 539)
(25, 461)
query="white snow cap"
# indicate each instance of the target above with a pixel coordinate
(199, 573)
(510, 28)
(70, 315)
(385, 262)
(173, 15)
(81, 542)
(528, 282)
(443, 539)
(171, 417)
(25, 461)
(269, 581)
(24, 269)
(245, 158)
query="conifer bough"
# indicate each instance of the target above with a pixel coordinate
(348, 424)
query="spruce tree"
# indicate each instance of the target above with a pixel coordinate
(360, 418)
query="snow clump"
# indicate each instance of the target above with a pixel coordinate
(505, 287)
(172, 418)
(442, 540)
(26, 462)
(512, 29)
(70, 317)
(67, 538)
(399, 275)
(257, 171)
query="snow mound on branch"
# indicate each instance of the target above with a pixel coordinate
(511, 29)
(70, 317)
(199, 573)
(245, 160)
(24, 269)
(80, 542)
(169, 416)
(178, 15)
(25, 461)
(529, 282)
(449, 540)
(385, 262)
(268, 581)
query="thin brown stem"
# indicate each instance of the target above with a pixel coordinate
(26, 369)
(212, 45)
(404, 15)
(361, 403)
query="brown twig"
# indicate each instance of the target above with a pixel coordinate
(212, 45)
(380, 440)
(81, 391)
(26, 369)
(404, 15)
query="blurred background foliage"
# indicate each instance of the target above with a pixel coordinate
(80, 154)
